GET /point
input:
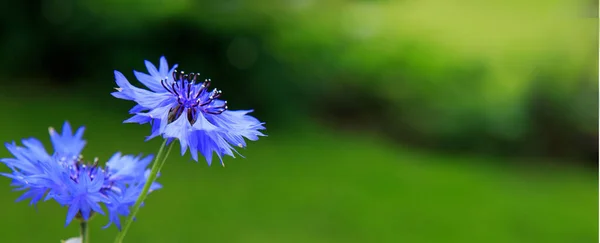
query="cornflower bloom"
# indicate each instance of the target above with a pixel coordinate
(179, 107)
(73, 182)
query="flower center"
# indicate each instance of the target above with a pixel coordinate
(192, 97)
(80, 165)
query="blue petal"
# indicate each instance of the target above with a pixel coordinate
(67, 145)
(152, 69)
(150, 81)
(179, 129)
(164, 66)
(141, 119)
(71, 212)
(153, 81)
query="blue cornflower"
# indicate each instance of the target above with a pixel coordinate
(179, 107)
(65, 177)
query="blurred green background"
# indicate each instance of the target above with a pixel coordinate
(388, 121)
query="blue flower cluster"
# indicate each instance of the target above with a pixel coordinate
(67, 178)
(180, 107)
(176, 104)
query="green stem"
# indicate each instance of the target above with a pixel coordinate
(165, 158)
(85, 232)
(157, 165)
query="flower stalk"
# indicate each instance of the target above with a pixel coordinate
(157, 165)
(84, 231)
